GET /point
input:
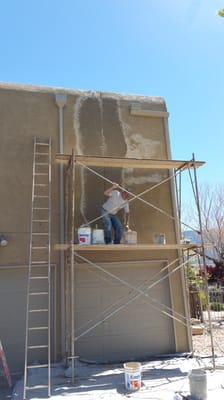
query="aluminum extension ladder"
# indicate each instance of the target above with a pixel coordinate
(37, 340)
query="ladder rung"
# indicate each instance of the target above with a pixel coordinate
(38, 293)
(37, 387)
(39, 248)
(40, 346)
(38, 196)
(42, 144)
(40, 310)
(39, 277)
(41, 208)
(41, 173)
(39, 262)
(41, 163)
(38, 328)
(40, 220)
(41, 154)
(39, 233)
(37, 366)
(41, 184)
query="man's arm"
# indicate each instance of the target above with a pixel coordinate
(108, 191)
(126, 221)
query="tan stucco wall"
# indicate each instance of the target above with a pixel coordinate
(95, 123)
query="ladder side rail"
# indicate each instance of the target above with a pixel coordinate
(49, 273)
(29, 272)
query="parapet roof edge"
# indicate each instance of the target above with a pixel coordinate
(55, 89)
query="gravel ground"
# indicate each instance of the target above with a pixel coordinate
(202, 344)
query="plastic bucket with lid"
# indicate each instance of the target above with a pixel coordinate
(98, 236)
(84, 235)
(132, 371)
(159, 238)
(198, 384)
(130, 237)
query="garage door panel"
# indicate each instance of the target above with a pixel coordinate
(134, 322)
(92, 296)
(84, 352)
(13, 288)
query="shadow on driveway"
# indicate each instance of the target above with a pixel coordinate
(5, 390)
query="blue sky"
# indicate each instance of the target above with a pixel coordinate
(169, 48)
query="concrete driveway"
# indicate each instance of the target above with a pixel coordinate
(161, 380)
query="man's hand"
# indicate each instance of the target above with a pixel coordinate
(126, 227)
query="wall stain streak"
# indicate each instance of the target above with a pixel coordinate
(89, 138)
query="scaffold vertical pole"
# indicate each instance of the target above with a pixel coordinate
(204, 260)
(72, 270)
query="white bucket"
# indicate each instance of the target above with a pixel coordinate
(84, 235)
(132, 371)
(198, 384)
(98, 236)
(159, 238)
(130, 237)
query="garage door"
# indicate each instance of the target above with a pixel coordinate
(121, 311)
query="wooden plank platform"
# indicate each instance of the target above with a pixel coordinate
(197, 330)
(112, 162)
(130, 247)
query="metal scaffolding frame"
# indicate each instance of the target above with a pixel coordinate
(204, 274)
(75, 251)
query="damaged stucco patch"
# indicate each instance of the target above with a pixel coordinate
(97, 132)
(89, 136)
(94, 99)
(102, 127)
(140, 147)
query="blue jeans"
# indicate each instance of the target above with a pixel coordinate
(110, 222)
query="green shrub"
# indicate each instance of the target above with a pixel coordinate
(216, 306)
(203, 300)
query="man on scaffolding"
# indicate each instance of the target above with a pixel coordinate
(116, 200)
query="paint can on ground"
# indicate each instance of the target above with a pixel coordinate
(132, 375)
(130, 237)
(98, 236)
(198, 384)
(159, 238)
(84, 235)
